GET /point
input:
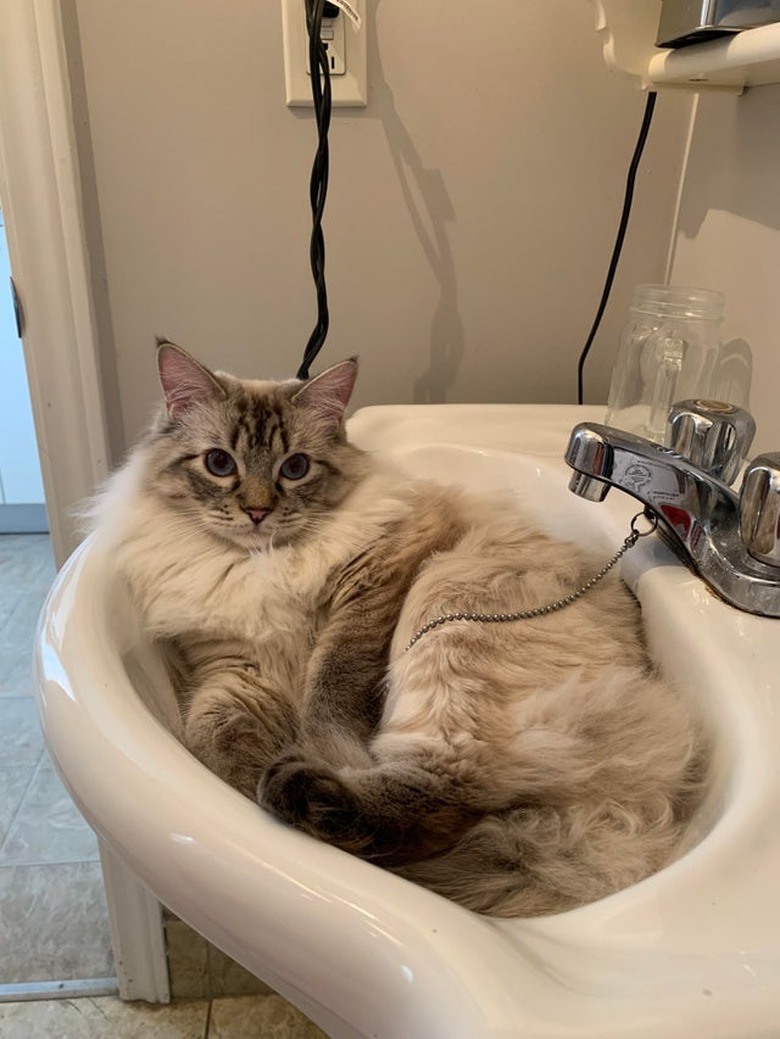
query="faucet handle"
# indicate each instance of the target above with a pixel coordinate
(759, 509)
(714, 436)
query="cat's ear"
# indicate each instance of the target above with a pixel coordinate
(328, 393)
(184, 381)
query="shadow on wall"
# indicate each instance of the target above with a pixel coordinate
(734, 159)
(430, 209)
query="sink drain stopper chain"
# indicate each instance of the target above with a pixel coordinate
(539, 611)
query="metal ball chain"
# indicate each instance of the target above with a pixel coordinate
(540, 611)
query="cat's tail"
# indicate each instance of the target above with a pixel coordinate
(522, 861)
(568, 817)
(543, 859)
(526, 860)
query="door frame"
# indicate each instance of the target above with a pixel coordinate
(40, 185)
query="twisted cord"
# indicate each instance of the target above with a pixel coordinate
(318, 182)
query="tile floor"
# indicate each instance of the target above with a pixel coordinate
(53, 921)
(52, 911)
(239, 1017)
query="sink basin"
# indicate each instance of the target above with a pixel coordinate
(692, 950)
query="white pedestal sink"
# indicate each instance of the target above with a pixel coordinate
(691, 951)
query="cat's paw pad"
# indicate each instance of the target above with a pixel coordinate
(306, 794)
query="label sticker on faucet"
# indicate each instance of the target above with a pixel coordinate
(637, 476)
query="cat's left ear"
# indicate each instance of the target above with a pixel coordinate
(328, 393)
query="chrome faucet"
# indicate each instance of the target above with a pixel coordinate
(730, 539)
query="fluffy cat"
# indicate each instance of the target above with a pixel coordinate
(518, 769)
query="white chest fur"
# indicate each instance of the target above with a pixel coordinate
(186, 581)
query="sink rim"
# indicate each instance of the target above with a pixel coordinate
(534, 966)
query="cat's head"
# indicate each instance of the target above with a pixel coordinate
(255, 463)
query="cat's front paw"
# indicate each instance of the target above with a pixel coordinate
(307, 794)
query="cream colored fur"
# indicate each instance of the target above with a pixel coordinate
(517, 768)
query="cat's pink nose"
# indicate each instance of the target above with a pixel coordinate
(257, 515)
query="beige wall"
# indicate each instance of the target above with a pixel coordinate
(472, 210)
(728, 236)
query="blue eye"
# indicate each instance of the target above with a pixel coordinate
(219, 462)
(295, 467)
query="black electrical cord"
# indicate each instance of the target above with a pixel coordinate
(318, 183)
(632, 170)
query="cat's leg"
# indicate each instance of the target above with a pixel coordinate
(331, 784)
(389, 812)
(236, 725)
(344, 688)
(338, 785)
(334, 785)
(343, 694)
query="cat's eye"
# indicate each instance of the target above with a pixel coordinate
(295, 467)
(219, 462)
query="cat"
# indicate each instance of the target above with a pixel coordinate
(517, 769)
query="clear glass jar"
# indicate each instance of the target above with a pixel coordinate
(669, 351)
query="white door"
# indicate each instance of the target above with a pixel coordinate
(22, 508)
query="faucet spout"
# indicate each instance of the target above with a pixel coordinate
(697, 514)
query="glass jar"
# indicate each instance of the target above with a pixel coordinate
(669, 351)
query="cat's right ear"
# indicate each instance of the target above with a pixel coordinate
(184, 380)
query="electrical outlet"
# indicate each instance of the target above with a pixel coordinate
(346, 49)
(332, 36)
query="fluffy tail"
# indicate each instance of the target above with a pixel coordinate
(538, 860)
(528, 860)
(570, 816)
